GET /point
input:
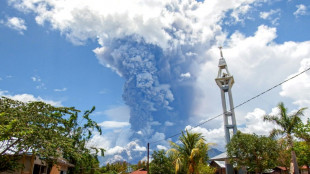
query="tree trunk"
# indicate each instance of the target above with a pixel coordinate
(294, 169)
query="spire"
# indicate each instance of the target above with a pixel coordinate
(220, 47)
(222, 62)
(225, 82)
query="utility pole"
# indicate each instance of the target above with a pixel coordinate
(148, 158)
(225, 82)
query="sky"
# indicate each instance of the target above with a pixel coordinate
(149, 66)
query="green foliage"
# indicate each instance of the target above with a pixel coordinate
(302, 150)
(141, 165)
(303, 131)
(206, 169)
(284, 156)
(255, 152)
(48, 131)
(116, 167)
(9, 163)
(191, 154)
(161, 164)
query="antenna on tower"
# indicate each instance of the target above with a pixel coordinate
(220, 47)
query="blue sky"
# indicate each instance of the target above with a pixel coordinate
(149, 66)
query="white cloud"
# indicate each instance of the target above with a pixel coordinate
(131, 151)
(214, 136)
(251, 60)
(168, 123)
(80, 20)
(38, 81)
(35, 79)
(272, 15)
(252, 123)
(301, 10)
(118, 113)
(267, 15)
(240, 11)
(113, 124)
(17, 24)
(186, 75)
(257, 64)
(160, 147)
(299, 88)
(140, 133)
(29, 98)
(60, 90)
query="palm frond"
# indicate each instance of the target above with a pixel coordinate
(276, 132)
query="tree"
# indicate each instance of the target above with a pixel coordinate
(141, 165)
(84, 158)
(302, 150)
(288, 124)
(303, 131)
(161, 164)
(44, 130)
(116, 167)
(284, 155)
(191, 155)
(257, 153)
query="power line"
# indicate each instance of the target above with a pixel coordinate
(239, 105)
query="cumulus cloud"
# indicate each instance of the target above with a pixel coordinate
(252, 123)
(17, 24)
(250, 60)
(36, 79)
(29, 98)
(185, 75)
(127, 153)
(299, 88)
(272, 15)
(113, 124)
(168, 123)
(239, 12)
(301, 10)
(60, 90)
(160, 147)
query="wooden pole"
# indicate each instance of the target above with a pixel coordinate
(148, 158)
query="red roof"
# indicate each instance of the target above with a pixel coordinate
(140, 171)
(283, 168)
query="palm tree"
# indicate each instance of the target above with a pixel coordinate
(190, 154)
(287, 123)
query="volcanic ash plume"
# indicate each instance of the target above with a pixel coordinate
(153, 77)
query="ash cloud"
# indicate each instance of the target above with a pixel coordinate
(154, 89)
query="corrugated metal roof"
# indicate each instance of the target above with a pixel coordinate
(220, 157)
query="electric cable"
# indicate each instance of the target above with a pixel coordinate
(239, 105)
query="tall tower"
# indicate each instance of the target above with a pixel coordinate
(225, 82)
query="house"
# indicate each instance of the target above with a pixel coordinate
(219, 165)
(140, 171)
(36, 165)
